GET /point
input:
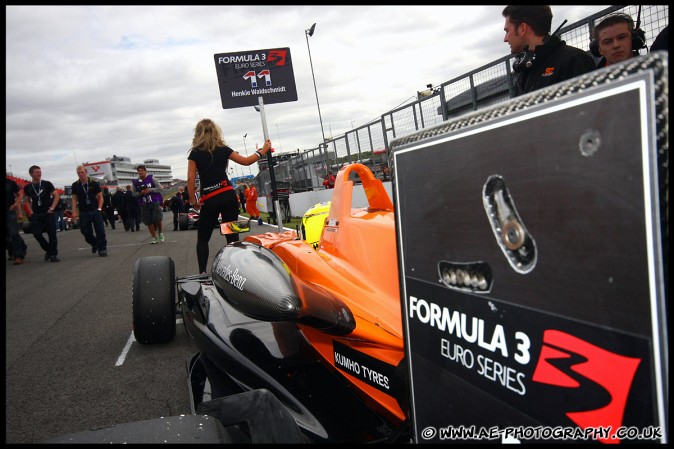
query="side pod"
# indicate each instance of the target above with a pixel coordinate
(259, 284)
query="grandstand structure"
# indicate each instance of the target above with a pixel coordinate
(119, 170)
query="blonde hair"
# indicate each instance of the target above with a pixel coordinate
(207, 136)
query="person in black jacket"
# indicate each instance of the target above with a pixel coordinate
(119, 203)
(108, 208)
(661, 42)
(87, 204)
(61, 207)
(132, 210)
(543, 60)
(176, 204)
(242, 200)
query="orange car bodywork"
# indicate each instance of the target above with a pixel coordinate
(356, 261)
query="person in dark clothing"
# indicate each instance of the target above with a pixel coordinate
(186, 200)
(209, 158)
(108, 208)
(41, 198)
(15, 244)
(386, 172)
(661, 42)
(242, 200)
(104, 217)
(177, 206)
(132, 210)
(138, 219)
(542, 60)
(119, 203)
(60, 219)
(183, 196)
(88, 206)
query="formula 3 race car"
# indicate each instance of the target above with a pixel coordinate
(317, 326)
(188, 220)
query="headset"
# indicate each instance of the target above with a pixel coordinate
(638, 35)
(524, 60)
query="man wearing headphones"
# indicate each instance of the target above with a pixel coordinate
(615, 39)
(543, 60)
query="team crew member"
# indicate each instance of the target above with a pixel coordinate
(146, 190)
(251, 203)
(543, 60)
(615, 39)
(329, 181)
(87, 202)
(209, 158)
(41, 199)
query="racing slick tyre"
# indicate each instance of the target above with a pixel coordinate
(154, 300)
(183, 222)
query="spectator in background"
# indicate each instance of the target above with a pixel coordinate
(87, 199)
(138, 217)
(615, 39)
(242, 200)
(387, 173)
(329, 181)
(41, 198)
(177, 206)
(60, 219)
(186, 202)
(183, 196)
(15, 244)
(104, 217)
(119, 203)
(108, 208)
(132, 212)
(543, 60)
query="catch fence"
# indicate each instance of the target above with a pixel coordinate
(482, 87)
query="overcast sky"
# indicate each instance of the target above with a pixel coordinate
(84, 83)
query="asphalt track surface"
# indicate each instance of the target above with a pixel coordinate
(72, 363)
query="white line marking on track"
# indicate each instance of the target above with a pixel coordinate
(122, 356)
(125, 351)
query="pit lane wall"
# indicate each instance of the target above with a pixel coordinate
(536, 299)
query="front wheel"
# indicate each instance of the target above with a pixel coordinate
(154, 300)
